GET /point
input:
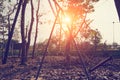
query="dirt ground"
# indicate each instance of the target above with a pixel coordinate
(55, 68)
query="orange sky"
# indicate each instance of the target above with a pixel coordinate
(104, 15)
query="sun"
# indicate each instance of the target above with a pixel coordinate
(66, 19)
(66, 23)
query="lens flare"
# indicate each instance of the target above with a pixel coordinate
(67, 19)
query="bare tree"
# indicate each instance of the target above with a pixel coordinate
(31, 25)
(10, 12)
(77, 11)
(23, 54)
(4, 60)
(36, 33)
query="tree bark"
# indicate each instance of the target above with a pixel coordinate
(23, 55)
(67, 49)
(36, 33)
(4, 60)
(31, 25)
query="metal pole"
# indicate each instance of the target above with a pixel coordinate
(82, 61)
(45, 52)
(100, 64)
(113, 34)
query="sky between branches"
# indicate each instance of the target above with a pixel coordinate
(104, 16)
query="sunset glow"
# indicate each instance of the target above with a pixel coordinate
(67, 19)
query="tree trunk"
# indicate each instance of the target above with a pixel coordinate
(37, 20)
(31, 25)
(68, 45)
(8, 19)
(23, 55)
(4, 60)
(67, 50)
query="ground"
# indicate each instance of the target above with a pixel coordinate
(55, 68)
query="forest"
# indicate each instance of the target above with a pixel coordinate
(72, 51)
